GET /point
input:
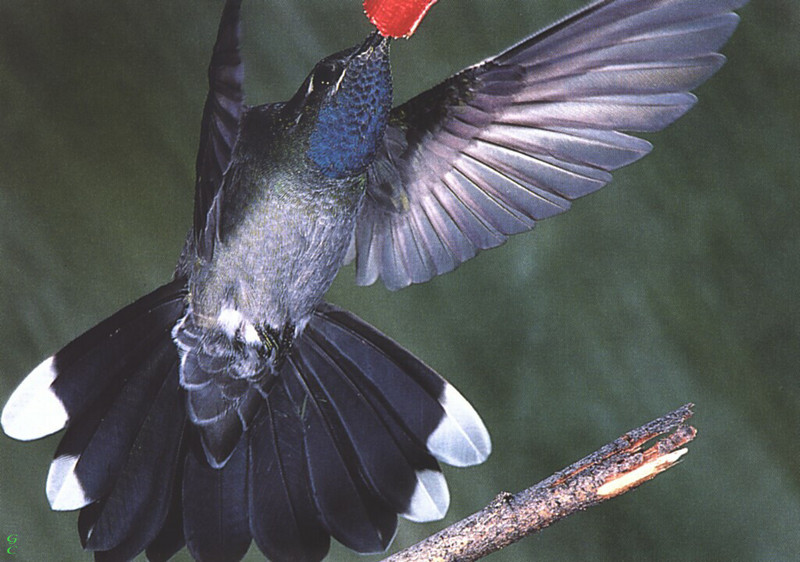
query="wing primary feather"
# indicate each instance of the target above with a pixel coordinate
(544, 175)
(607, 150)
(219, 126)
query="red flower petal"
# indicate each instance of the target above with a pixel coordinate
(397, 18)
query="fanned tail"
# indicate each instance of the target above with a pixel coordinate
(347, 438)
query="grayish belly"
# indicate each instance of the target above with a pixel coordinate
(281, 258)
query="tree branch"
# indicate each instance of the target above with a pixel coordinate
(614, 469)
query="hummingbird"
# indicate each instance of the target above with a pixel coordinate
(234, 404)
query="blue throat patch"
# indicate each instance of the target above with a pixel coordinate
(351, 124)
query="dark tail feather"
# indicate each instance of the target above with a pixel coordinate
(349, 509)
(132, 515)
(170, 539)
(216, 520)
(283, 516)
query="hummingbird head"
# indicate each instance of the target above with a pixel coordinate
(347, 98)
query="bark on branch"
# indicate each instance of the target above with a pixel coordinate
(612, 470)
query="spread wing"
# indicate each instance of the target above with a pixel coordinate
(219, 128)
(515, 139)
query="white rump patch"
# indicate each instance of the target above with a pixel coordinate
(431, 497)
(230, 319)
(34, 410)
(64, 492)
(232, 323)
(461, 439)
(250, 334)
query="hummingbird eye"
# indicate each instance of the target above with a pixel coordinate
(327, 73)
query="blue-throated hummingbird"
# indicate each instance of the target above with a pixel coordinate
(233, 404)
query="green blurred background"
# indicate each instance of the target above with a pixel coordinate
(676, 283)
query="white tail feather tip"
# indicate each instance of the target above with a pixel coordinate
(431, 497)
(64, 491)
(34, 410)
(461, 439)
